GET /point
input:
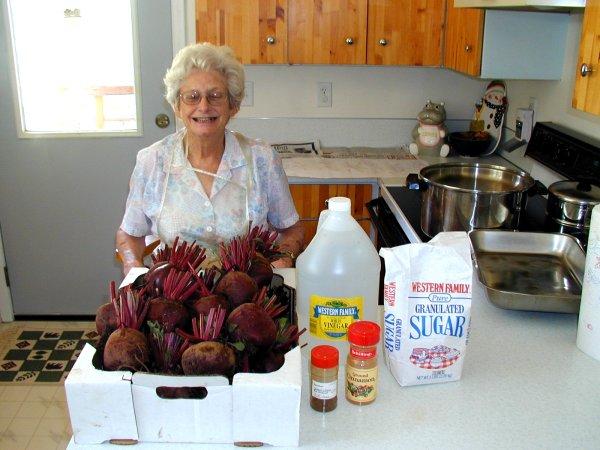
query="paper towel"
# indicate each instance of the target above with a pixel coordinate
(588, 330)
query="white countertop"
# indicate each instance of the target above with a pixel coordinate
(524, 385)
(392, 172)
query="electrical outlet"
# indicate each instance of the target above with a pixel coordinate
(533, 104)
(324, 94)
(248, 94)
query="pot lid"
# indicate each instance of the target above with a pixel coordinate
(581, 192)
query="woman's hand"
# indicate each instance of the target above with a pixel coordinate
(283, 263)
(291, 242)
(131, 250)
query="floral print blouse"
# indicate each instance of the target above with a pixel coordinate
(216, 217)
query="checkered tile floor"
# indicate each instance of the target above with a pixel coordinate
(44, 356)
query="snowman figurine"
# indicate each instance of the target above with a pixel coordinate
(430, 131)
(493, 111)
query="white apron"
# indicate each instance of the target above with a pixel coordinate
(188, 212)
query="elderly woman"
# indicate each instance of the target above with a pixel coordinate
(205, 182)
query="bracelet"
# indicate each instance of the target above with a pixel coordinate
(289, 254)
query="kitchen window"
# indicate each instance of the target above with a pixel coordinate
(75, 67)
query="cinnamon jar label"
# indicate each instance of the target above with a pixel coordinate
(361, 384)
(330, 317)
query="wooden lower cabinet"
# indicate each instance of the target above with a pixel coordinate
(310, 201)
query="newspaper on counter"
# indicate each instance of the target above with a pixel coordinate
(427, 308)
(306, 149)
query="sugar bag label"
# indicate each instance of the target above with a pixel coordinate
(427, 308)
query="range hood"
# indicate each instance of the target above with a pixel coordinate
(527, 5)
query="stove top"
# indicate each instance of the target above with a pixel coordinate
(566, 152)
(409, 201)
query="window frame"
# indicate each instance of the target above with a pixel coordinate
(15, 85)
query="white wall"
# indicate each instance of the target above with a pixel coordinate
(372, 106)
(359, 91)
(554, 97)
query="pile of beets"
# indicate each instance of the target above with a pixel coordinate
(180, 319)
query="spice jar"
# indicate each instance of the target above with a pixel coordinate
(361, 364)
(324, 361)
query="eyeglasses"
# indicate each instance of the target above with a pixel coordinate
(194, 97)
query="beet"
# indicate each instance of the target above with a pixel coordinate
(204, 304)
(157, 274)
(238, 287)
(260, 270)
(208, 358)
(106, 319)
(251, 324)
(169, 314)
(126, 349)
(269, 361)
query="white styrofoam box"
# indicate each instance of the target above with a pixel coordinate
(91, 397)
(151, 410)
(264, 404)
(120, 405)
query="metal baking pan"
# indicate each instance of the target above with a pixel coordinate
(530, 271)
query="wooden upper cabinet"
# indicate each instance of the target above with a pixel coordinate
(327, 31)
(256, 30)
(405, 32)
(587, 87)
(464, 39)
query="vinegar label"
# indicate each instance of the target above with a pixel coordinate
(330, 317)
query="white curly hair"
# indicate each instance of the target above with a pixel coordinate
(205, 57)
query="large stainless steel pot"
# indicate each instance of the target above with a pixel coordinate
(571, 202)
(468, 196)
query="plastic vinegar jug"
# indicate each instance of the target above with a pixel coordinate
(337, 278)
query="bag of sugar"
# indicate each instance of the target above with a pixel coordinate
(427, 305)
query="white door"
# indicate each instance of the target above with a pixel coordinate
(62, 199)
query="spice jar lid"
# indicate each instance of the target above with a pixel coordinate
(363, 332)
(324, 356)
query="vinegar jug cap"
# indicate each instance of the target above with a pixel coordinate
(339, 204)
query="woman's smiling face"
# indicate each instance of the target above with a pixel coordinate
(205, 120)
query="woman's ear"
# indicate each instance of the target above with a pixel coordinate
(176, 111)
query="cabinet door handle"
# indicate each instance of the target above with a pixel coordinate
(586, 70)
(270, 40)
(383, 42)
(349, 41)
(468, 48)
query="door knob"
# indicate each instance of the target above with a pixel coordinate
(270, 40)
(468, 48)
(585, 70)
(383, 42)
(349, 41)
(162, 120)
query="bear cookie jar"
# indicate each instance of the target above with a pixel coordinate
(429, 133)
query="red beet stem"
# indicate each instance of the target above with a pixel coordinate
(271, 306)
(237, 254)
(201, 285)
(131, 311)
(113, 290)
